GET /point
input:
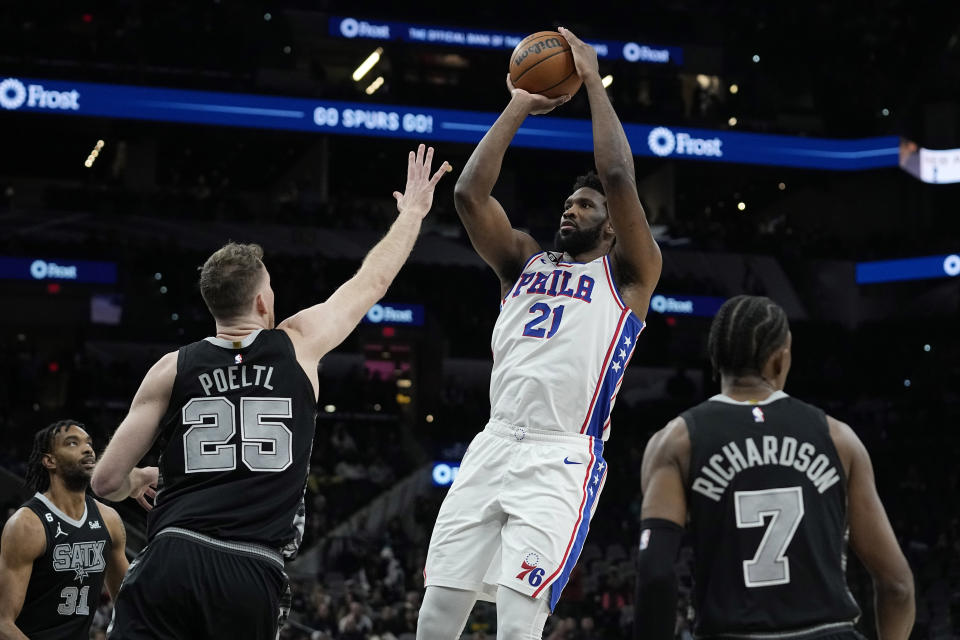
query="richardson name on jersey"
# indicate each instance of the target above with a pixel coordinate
(236, 377)
(716, 475)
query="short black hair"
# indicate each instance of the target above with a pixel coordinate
(589, 179)
(38, 478)
(744, 333)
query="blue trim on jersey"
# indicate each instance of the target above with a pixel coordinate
(593, 492)
(612, 376)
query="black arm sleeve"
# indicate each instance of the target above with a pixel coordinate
(655, 613)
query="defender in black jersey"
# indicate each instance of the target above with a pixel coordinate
(235, 416)
(60, 548)
(773, 488)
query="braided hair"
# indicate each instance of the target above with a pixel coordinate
(744, 334)
(38, 478)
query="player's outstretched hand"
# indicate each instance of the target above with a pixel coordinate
(584, 56)
(143, 481)
(417, 196)
(536, 104)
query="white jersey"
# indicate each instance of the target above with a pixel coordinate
(560, 346)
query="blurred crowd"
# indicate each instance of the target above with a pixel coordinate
(369, 586)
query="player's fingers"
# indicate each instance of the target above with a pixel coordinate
(510, 86)
(397, 195)
(569, 35)
(145, 504)
(420, 150)
(428, 162)
(444, 168)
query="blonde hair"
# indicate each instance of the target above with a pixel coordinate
(229, 279)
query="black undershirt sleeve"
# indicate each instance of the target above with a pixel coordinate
(655, 613)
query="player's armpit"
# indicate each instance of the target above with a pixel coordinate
(137, 432)
(636, 255)
(118, 563)
(23, 541)
(662, 476)
(494, 239)
(873, 540)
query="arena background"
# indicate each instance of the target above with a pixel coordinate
(854, 111)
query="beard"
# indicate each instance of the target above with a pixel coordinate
(75, 476)
(578, 241)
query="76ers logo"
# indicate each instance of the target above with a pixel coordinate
(529, 570)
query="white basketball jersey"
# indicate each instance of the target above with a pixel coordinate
(560, 346)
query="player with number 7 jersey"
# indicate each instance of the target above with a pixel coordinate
(235, 416)
(772, 489)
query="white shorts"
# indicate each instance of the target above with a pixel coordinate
(518, 513)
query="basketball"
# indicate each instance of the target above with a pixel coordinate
(543, 63)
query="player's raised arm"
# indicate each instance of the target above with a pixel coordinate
(873, 540)
(636, 256)
(116, 476)
(23, 542)
(501, 246)
(663, 515)
(318, 329)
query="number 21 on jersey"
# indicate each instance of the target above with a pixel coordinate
(543, 311)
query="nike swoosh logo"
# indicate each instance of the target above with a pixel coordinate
(569, 461)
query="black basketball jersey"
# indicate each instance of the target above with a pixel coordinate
(236, 442)
(767, 499)
(66, 581)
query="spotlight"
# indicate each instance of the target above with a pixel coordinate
(367, 64)
(376, 84)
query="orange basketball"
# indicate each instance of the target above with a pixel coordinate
(543, 63)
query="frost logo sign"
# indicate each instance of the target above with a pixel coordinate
(351, 28)
(13, 95)
(663, 142)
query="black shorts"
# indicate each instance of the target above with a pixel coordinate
(183, 585)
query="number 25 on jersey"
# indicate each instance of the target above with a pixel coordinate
(264, 445)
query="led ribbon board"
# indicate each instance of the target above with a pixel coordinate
(923, 268)
(344, 27)
(426, 124)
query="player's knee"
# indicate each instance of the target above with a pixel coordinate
(520, 629)
(437, 620)
(519, 616)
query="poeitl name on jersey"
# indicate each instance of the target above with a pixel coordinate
(236, 377)
(715, 476)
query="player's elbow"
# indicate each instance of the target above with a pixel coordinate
(466, 195)
(897, 588)
(616, 176)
